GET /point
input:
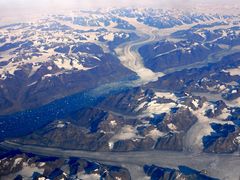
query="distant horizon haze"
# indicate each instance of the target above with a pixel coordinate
(25, 10)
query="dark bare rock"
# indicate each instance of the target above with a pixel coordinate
(25, 90)
(86, 129)
(127, 101)
(14, 163)
(229, 144)
(164, 54)
(170, 142)
(224, 139)
(218, 108)
(183, 172)
(134, 145)
(182, 120)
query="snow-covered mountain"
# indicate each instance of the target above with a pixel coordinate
(121, 80)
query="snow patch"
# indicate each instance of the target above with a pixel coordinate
(17, 161)
(172, 127)
(155, 134)
(41, 164)
(234, 71)
(127, 132)
(60, 124)
(113, 123)
(166, 95)
(195, 103)
(109, 37)
(89, 176)
(49, 68)
(70, 64)
(158, 108)
(225, 114)
(237, 139)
